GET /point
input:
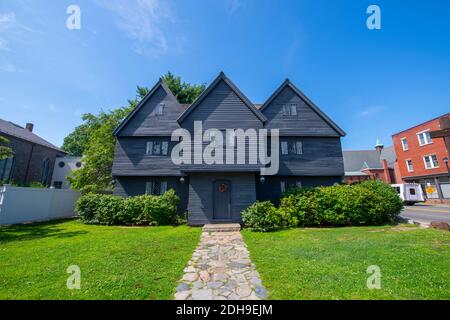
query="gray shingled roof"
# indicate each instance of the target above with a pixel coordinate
(355, 161)
(17, 131)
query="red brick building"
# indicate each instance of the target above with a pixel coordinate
(421, 159)
(376, 164)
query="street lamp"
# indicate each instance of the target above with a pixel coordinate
(446, 164)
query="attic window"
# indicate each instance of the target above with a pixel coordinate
(290, 109)
(160, 109)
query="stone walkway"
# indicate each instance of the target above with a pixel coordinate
(220, 269)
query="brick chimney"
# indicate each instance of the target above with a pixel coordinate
(29, 127)
(387, 174)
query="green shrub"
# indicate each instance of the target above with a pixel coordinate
(264, 216)
(391, 202)
(368, 203)
(140, 210)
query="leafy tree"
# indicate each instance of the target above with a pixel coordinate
(95, 175)
(5, 152)
(185, 92)
(75, 143)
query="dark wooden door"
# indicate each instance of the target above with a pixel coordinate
(222, 200)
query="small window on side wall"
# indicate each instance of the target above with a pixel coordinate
(289, 109)
(160, 109)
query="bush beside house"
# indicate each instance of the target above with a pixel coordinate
(367, 203)
(140, 210)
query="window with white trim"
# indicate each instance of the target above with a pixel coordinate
(409, 165)
(156, 188)
(424, 138)
(291, 147)
(290, 109)
(405, 144)
(431, 161)
(157, 148)
(160, 109)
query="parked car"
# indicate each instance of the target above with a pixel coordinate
(410, 193)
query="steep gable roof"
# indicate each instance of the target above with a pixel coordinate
(288, 83)
(17, 131)
(159, 84)
(221, 77)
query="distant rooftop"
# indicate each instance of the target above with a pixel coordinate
(20, 132)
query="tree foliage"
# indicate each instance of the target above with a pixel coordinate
(185, 92)
(5, 152)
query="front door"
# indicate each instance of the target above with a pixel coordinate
(222, 199)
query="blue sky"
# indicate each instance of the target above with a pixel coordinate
(373, 83)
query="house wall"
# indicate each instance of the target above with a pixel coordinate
(201, 206)
(146, 123)
(222, 109)
(32, 156)
(306, 123)
(270, 190)
(135, 186)
(130, 158)
(322, 156)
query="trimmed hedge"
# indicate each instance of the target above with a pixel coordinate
(140, 210)
(368, 203)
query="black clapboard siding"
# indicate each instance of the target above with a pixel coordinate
(146, 123)
(307, 122)
(200, 204)
(135, 186)
(270, 190)
(130, 158)
(222, 109)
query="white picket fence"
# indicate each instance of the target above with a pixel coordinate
(20, 205)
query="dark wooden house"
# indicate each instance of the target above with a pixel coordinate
(310, 152)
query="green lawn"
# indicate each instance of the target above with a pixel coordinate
(332, 263)
(115, 262)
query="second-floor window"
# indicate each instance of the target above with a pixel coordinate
(405, 144)
(431, 161)
(155, 188)
(157, 148)
(290, 109)
(424, 138)
(160, 109)
(409, 165)
(291, 147)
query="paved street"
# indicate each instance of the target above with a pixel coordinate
(427, 213)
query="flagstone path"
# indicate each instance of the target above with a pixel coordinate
(220, 269)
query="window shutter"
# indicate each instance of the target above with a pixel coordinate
(165, 148)
(149, 150)
(299, 146)
(163, 187)
(148, 187)
(284, 147)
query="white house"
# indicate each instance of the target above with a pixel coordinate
(63, 167)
